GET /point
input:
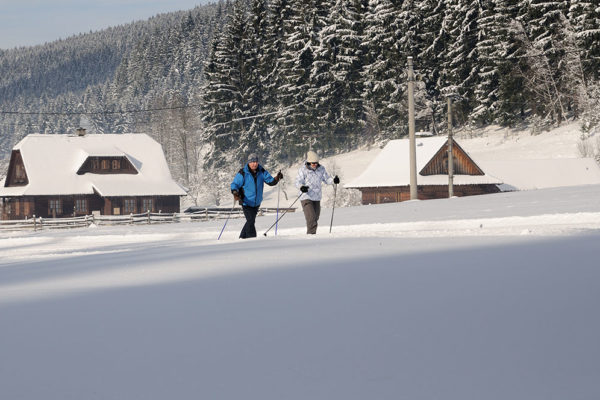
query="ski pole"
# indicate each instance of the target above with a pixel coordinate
(333, 210)
(277, 215)
(227, 220)
(285, 212)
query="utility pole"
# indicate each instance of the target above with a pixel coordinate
(411, 130)
(450, 155)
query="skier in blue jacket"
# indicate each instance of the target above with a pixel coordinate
(247, 188)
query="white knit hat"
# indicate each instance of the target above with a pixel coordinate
(312, 157)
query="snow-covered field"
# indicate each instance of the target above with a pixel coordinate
(483, 297)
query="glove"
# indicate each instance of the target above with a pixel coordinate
(278, 177)
(236, 195)
(336, 180)
(304, 189)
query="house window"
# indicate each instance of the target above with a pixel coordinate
(55, 207)
(147, 204)
(105, 164)
(116, 164)
(95, 164)
(129, 206)
(81, 206)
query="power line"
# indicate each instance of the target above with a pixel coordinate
(67, 113)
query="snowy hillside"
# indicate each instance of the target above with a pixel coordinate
(518, 158)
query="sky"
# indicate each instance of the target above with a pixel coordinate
(33, 22)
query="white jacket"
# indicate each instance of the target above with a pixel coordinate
(313, 179)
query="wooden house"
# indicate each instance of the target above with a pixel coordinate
(387, 178)
(70, 175)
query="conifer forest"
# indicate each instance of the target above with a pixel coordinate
(278, 77)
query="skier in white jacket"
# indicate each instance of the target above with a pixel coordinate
(310, 177)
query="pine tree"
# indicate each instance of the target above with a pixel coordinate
(461, 59)
(585, 19)
(255, 48)
(435, 39)
(383, 73)
(510, 105)
(278, 15)
(227, 79)
(542, 33)
(489, 50)
(340, 51)
(295, 64)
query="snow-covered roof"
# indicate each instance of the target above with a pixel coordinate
(392, 166)
(52, 162)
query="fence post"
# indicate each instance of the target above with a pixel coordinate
(131, 218)
(206, 212)
(148, 217)
(34, 223)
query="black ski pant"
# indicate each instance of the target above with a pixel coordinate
(249, 230)
(312, 210)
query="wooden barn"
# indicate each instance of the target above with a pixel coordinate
(71, 175)
(387, 178)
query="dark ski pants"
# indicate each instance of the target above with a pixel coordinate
(312, 210)
(249, 231)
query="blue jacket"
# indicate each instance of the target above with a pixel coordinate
(252, 186)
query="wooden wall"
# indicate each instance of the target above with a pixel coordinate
(27, 207)
(16, 174)
(395, 194)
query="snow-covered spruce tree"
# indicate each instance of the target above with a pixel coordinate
(584, 16)
(510, 104)
(572, 77)
(255, 136)
(278, 13)
(295, 123)
(489, 50)
(384, 74)
(543, 27)
(340, 48)
(461, 67)
(95, 102)
(449, 31)
(434, 38)
(228, 77)
(322, 80)
(540, 86)
(411, 25)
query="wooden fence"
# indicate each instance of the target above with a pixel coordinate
(39, 223)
